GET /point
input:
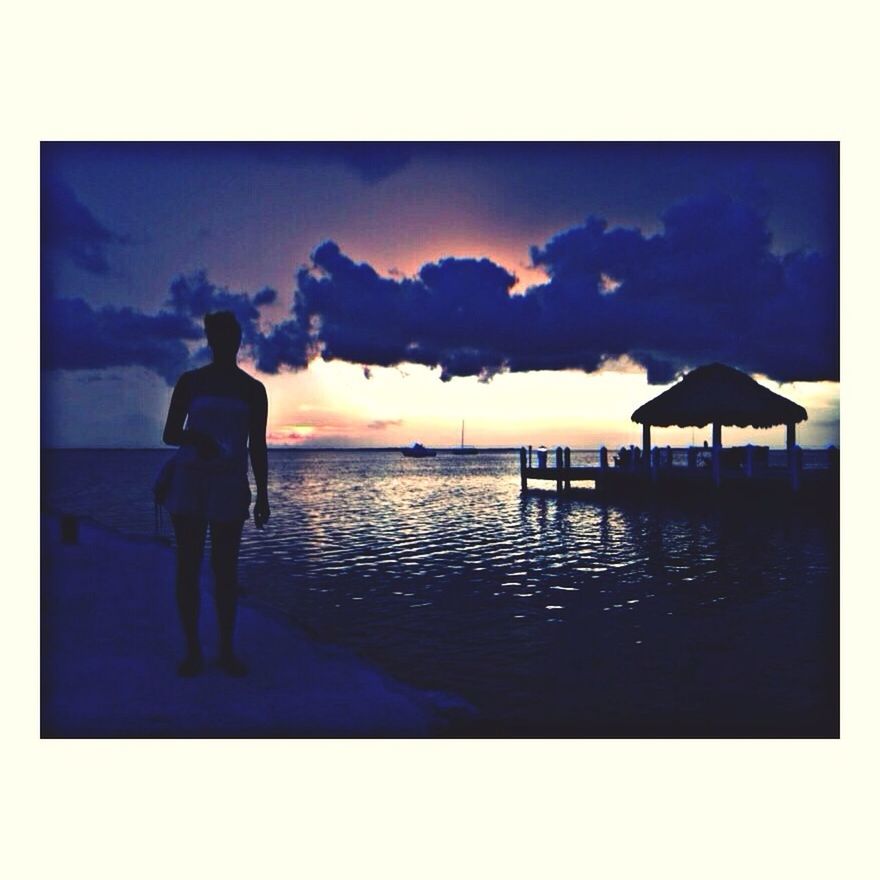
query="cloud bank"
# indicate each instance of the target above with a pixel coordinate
(68, 229)
(708, 287)
(76, 336)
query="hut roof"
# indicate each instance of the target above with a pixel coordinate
(718, 393)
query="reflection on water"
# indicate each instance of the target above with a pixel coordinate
(551, 616)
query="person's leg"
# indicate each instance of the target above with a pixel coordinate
(225, 541)
(189, 532)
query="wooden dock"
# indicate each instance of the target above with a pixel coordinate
(657, 476)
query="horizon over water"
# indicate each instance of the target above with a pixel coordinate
(551, 616)
(396, 447)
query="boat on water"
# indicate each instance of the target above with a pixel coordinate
(464, 450)
(418, 451)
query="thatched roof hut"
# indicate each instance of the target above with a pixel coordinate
(722, 395)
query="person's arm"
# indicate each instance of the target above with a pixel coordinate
(175, 434)
(259, 455)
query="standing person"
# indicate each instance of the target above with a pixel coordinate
(217, 417)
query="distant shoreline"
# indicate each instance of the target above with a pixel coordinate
(288, 448)
(440, 449)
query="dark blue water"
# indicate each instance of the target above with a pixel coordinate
(551, 617)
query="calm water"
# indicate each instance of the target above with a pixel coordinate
(551, 617)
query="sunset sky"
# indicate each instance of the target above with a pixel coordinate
(540, 292)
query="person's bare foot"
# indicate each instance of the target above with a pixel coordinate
(190, 666)
(232, 666)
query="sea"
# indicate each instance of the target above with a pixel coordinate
(545, 617)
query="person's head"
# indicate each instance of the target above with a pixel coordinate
(224, 335)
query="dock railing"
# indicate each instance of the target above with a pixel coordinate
(668, 465)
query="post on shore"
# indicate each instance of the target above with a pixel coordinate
(655, 463)
(530, 454)
(692, 457)
(603, 458)
(668, 456)
(567, 462)
(646, 446)
(69, 528)
(559, 469)
(523, 479)
(716, 453)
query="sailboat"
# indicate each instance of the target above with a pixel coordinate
(464, 450)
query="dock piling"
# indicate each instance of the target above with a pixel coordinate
(558, 470)
(523, 479)
(567, 465)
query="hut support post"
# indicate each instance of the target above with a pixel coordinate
(559, 470)
(523, 479)
(716, 453)
(567, 463)
(646, 446)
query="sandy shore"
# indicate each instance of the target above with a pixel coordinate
(110, 643)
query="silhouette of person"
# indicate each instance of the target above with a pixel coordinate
(217, 417)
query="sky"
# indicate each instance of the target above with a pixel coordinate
(540, 292)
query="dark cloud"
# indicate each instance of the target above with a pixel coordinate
(371, 161)
(708, 287)
(449, 316)
(76, 336)
(382, 424)
(265, 297)
(69, 229)
(193, 296)
(288, 344)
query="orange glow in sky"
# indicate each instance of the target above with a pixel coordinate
(334, 404)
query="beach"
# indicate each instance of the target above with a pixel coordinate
(110, 645)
